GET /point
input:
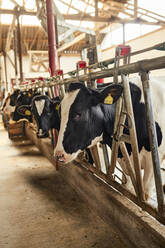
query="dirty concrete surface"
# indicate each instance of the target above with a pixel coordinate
(40, 210)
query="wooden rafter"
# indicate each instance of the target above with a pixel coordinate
(73, 7)
(34, 39)
(14, 12)
(69, 7)
(86, 17)
(69, 44)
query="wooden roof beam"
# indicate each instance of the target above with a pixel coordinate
(112, 19)
(69, 44)
(20, 12)
(9, 34)
(66, 34)
(135, 8)
(78, 17)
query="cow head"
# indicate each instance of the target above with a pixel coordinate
(13, 97)
(24, 98)
(83, 118)
(45, 112)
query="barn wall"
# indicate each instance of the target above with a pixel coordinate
(68, 63)
(140, 43)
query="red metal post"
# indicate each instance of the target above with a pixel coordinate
(53, 58)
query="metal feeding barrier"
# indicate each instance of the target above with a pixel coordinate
(123, 110)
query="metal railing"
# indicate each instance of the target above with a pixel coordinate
(124, 110)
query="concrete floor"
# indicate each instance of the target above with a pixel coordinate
(39, 210)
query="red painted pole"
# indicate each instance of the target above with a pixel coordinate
(53, 58)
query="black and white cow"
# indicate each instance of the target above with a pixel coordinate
(24, 98)
(15, 100)
(45, 112)
(86, 119)
(10, 102)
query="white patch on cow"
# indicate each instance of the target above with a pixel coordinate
(65, 107)
(8, 109)
(96, 140)
(40, 106)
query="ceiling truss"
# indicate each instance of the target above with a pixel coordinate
(102, 12)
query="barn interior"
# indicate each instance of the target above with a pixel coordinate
(44, 46)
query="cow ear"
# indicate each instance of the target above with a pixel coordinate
(111, 93)
(56, 105)
(76, 86)
(24, 110)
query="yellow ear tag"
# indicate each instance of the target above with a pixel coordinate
(28, 112)
(57, 107)
(29, 94)
(108, 99)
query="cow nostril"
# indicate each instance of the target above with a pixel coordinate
(60, 157)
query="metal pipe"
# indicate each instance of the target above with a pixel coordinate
(53, 58)
(153, 141)
(4, 55)
(106, 157)
(145, 65)
(15, 56)
(134, 143)
(19, 48)
(123, 33)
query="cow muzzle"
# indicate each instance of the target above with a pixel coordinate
(63, 157)
(42, 134)
(59, 156)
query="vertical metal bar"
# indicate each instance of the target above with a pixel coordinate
(106, 157)
(95, 156)
(4, 55)
(135, 8)
(134, 144)
(62, 87)
(128, 165)
(52, 92)
(115, 143)
(53, 58)
(19, 48)
(15, 56)
(123, 33)
(153, 141)
(96, 8)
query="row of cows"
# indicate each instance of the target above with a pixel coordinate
(86, 116)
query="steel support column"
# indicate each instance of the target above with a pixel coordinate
(153, 141)
(53, 58)
(15, 56)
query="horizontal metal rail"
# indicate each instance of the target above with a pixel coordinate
(102, 64)
(136, 67)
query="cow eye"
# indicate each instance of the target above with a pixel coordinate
(76, 116)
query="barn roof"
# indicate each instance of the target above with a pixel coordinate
(76, 19)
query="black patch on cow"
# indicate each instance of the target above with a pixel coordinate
(13, 97)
